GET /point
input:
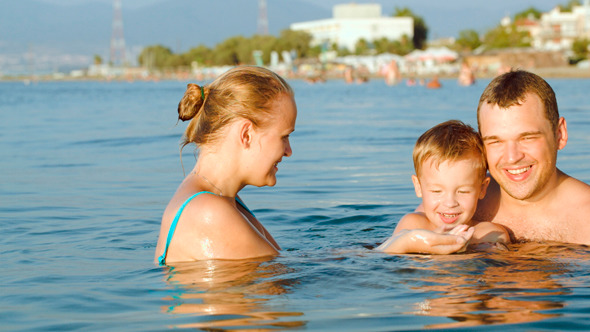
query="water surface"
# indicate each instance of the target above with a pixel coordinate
(86, 169)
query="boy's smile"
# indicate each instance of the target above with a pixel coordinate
(450, 191)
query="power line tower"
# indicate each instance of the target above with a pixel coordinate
(117, 39)
(262, 18)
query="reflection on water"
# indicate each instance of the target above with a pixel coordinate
(344, 189)
(528, 283)
(498, 287)
(229, 294)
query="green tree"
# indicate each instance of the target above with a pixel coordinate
(200, 54)
(231, 50)
(580, 49)
(264, 43)
(382, 45)
(525, 14)
(237, 49)
(343, 51)
(294, 40)
(154, 56)
(569, 6)
(504, 37)
(175, 61)
(361, 47)
(97, 59)
(314, 51)
(420, 27)
(468, 40)
(401, 47)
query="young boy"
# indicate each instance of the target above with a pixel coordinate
(450, 166)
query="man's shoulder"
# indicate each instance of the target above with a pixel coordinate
(571, 183)
(574, 204)
(574, 192)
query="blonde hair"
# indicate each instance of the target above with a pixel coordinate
(242, 92)
(450, 141)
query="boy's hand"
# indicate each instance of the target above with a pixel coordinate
(464, 232)
(429, 242)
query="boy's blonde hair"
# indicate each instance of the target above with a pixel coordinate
(450, 141)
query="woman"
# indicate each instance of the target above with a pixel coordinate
(241, 124)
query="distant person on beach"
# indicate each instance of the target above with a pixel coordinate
(391, 73)
(450, 166)
(362, 74)
(349, 74)
(466, 76)
(241, 124)
(522, 131)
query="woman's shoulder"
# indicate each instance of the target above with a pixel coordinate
(191, 203)
(213, 222)
(208, 207)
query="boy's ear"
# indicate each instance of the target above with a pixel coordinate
(484, 187)
(417, 186)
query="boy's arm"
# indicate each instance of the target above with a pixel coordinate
(415, 220)
(412, 236)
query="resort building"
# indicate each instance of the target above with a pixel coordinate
(352, 22)
(558, 30)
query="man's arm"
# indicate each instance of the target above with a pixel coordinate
(487, 232)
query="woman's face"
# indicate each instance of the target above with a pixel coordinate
(271, 142)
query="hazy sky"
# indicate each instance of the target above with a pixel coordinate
(444, 18)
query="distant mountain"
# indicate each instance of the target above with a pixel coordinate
(53, 35)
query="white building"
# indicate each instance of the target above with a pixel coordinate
(352, 22)
(558, 30)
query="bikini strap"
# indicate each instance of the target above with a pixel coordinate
(162, 259)
(244, 206)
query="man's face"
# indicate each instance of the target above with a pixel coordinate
(521, 147)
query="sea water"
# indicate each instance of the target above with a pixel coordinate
(87, 168)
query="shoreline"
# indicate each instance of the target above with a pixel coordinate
(571, 72)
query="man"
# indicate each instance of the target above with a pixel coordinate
(522, 131)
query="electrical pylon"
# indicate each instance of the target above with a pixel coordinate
(117, 38)
(262, 18)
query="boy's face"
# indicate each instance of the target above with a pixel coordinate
(450, 191)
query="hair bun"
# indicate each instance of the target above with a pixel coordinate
(191, 103)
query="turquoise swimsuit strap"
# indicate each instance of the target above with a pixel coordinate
(162, 259)
(244, 206)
